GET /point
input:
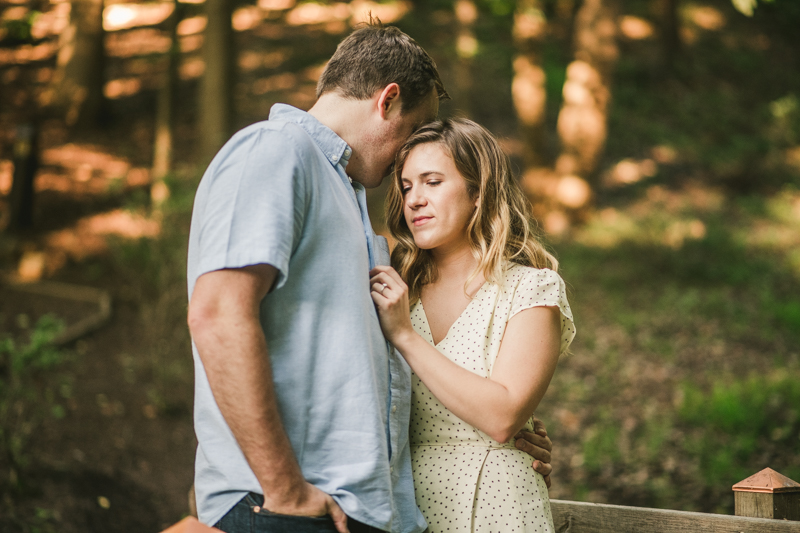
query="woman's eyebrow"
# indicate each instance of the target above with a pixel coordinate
(429, 172)
(423, 175)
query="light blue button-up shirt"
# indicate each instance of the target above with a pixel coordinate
(277, 193)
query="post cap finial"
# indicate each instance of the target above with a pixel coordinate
(768, 481)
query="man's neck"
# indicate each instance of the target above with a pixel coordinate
(345, 116)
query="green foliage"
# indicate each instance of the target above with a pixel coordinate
(27, 395)
(601, 442)
(19, 30)
(746, 7)
(735, 420)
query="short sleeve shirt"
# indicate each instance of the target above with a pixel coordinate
(277, 193)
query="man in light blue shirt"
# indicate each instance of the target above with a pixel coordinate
(301, 407)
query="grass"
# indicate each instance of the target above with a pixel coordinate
(683, 378)
(32, 389)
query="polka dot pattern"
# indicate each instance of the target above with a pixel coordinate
(463, 479)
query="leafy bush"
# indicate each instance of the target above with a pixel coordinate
(27, 395)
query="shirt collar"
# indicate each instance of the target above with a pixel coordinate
(335, 149)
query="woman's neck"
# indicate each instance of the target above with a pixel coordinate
(455, 265)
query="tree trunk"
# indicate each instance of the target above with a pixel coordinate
(26, 162)
(582, 121)
(162, 147)
(670, 33)
(216, 104)
(466, 13)
(528, 88)
(79, 78)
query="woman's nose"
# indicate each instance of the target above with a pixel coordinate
(413, 198)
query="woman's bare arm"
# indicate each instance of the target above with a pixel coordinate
(498, 406)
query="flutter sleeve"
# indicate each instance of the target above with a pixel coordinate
(545, 288)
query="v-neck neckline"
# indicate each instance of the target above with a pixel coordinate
(458, 318)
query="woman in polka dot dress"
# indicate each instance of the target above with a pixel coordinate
(477, 310)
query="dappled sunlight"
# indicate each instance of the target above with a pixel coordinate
(6, 176)
(138, 42)
(298, 89)
(247, 18)
(276, 5)
(86, 160)
(192, 25)
(662, 217)
(125, 16)
(191, 68)
(792, 158)
(672, 218)
(51, 22)
(86, 238)
(122, 88)
(664, 154)
(191, 43)
(86, 169)
(14, 13)
(28, 53)
(387, 12)
(636, 28)
(573, 192)
(705, 17)
(312, 13)
(629, 171)
(778, 231)
(89, 235)
(250, 60)
(278, 82)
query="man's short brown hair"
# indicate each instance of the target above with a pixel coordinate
(372, 57)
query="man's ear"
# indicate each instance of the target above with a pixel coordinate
(389, 101)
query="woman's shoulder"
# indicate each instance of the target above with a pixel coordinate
(535, 287)
(516, 274)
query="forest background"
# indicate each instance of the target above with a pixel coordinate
(658, 141)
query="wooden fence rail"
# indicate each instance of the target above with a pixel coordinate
(580, 517)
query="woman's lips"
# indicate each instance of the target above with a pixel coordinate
(419, 221)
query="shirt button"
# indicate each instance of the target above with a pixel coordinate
(391, 470)
(347, 152)
(394, 408)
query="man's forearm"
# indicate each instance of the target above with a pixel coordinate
(234, 354)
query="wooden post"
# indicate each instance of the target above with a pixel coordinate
(768, 494)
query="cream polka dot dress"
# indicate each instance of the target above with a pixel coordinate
(463, 479)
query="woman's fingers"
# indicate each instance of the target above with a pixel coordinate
(389, 284)
(379, 287)
(387, 272)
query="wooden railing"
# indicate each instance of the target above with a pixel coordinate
(766, 502)
(580, 517)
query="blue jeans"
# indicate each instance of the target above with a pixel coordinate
(243, 518)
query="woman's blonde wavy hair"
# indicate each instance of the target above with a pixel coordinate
(500, 230)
